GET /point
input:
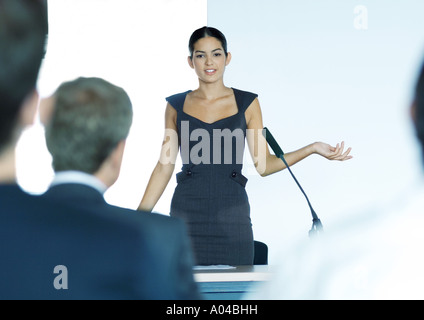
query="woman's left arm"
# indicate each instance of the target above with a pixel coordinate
(266, 163)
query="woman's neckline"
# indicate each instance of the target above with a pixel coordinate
(216, 121)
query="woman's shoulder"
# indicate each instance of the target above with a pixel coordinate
(244, 92)
(178, 95)
(177, 100)
(244, 98)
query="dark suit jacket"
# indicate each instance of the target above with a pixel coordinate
(108, 252)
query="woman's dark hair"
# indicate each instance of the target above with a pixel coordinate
(207, 32)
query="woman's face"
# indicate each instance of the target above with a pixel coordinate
(209, 60)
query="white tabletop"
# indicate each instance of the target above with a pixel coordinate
(234, 274)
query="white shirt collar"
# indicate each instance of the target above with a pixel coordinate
(80, 178)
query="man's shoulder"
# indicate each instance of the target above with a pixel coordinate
(161, 222)
(15, 200)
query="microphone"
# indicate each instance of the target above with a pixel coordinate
(316, 222)
(272, 143)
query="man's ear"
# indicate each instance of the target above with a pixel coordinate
(46, 109)
(110, 169)
(118, 154)
(29, 109)
(190, 62)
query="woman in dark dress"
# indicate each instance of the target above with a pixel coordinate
(209, 127)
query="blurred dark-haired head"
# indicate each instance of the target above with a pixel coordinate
(418, 109)
(23, 29)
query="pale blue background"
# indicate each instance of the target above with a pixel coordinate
(320, 78)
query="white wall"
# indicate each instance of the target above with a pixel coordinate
(320, 76)
(139, 45)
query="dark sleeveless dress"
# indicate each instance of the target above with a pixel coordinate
(210, 196)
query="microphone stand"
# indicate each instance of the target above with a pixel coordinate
(316, 222)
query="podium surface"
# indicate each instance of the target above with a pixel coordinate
(230, 282)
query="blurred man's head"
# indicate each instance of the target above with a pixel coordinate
(89, 123)
(418, 109)
(23, 28)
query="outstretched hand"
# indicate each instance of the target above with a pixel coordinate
(333, 153)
